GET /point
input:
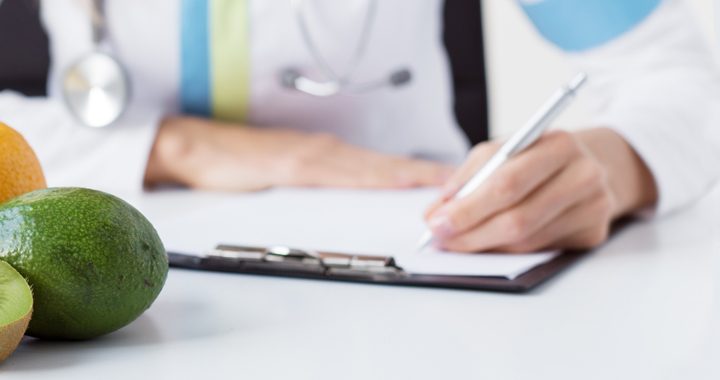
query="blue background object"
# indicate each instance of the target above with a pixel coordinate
(576, 25)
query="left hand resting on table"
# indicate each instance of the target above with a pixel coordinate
(563, 192)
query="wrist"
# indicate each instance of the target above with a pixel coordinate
(201, 153)
(629, 179)
(172, 151)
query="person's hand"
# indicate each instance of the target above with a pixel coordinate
(563, 192)
(211, 155)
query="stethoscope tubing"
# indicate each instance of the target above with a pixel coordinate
(80, 102)
(336, 83)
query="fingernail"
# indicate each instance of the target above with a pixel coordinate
(440, 225)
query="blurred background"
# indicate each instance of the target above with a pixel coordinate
(516, 89)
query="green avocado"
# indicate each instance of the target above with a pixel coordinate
(94, 262)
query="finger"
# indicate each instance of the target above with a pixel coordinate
(383, 171)
(569, 187)
(476, 159)
(357, 168)
(585, 222)
(430, 210)
(581, 227)
(339, 173)
(512, 183)
(323, 173)
(328, 162)
(418, 173)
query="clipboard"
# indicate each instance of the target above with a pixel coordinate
(299, 263)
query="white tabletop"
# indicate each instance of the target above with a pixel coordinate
(644, 306)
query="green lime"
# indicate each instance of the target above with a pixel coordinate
(94, 262)
(15, 309)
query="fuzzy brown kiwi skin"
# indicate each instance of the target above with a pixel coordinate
(12, 334)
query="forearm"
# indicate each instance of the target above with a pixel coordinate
(186, 148)
(206, 154)
(171, 158)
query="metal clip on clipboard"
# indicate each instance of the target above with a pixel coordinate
(286, 259)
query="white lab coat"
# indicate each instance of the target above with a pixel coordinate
(656, 85)
(416, 119)
(659, 87)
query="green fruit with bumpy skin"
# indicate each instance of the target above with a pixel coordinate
(94, 262)
(15, 309)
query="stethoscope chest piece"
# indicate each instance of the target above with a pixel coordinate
(96, 89)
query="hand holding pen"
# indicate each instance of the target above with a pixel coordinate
(535, 191)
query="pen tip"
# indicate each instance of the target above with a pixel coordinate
(424, 241)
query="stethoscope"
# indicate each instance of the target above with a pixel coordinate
(335, 83)
(96, 88)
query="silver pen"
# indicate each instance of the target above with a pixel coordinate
(519, 141)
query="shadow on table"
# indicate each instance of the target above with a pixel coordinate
(628, 236)
(165, 323)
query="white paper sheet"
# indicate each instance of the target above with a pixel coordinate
(473, 264)
(361, 222)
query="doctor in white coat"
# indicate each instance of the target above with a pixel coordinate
(209, 111)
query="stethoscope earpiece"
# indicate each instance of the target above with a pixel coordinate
(400, 77)
(289, 77)
(292, 78)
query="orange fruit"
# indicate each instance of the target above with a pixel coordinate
(20, 170)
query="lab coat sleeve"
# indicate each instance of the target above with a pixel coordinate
(658, 86)
(112, 159)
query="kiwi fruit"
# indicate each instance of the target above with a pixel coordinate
(16, 304)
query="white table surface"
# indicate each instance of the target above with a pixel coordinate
(644, 306)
